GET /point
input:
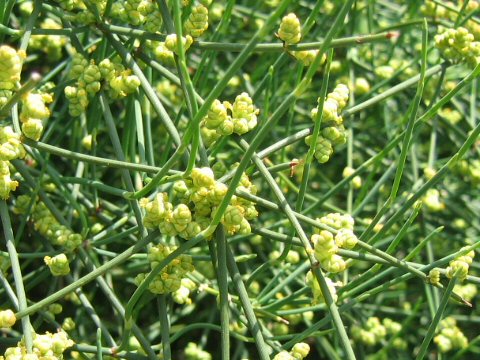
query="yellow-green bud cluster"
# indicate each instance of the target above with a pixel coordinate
(80, 13)
(46, 224)
(169, 90)
(374, 330)
(459, 266)
(306, 57)
(51, 45)
(7, 319)
(161, 53)
(326, 244)
(45, 347)
(55, 309)
(361, 86)
(170, 278)
(34, 113)
(6, 182)
(467, 291)
(290, 31)
(194, 352)
(224, 118)
(4, 96)
(11, 62)
(458, 45)
(197, 22)
(121, 81)
(71, 4)
(172, 39)
(89, 78)
(470, 170)
(293, 257)
(333, 132)
(298, 352)
(356, 181)
(453, 116)
(337, 221)
(326, 247)
(318, 296)
(131, 11)
(433, 9)
(182, 295)
(10, 145)
(58, 264)
(432, 200)
(152, 16)
(384, 71)
(199, 196)
(450, 337)
(68, 324)
(434, 277)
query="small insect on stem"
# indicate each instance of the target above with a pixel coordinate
(293, 164)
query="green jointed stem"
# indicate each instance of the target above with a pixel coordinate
(411, 115)
(254, 325)
(165, 327)
(17, 274)
(222, 275)
(436, 319)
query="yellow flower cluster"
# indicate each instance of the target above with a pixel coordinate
(170, 278)
(326, 244)
(198, 197)
(121, 82)
(10, 145)
(470, 170)
(11, 62)
(58, 264)
(333, 132)
(439, 11)
(51, 45)
(290, 32)
(299, 352)
(450, 336)
(195, 352)
(7, 319)
(6, 183)
(356, 181)
(432, 200)
(182, 295)
(459, 266)
(34, 114)
(171, 42)
(197, 22)
(458, 45)
(224, 118)
(46, 224)
(80, 13)
(374, 331)
(45, 347)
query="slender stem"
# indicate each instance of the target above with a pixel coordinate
(223, 289)
(254, 324)
(436, 319)
(165, 327)
(17, 274)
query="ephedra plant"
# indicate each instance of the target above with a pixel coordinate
(235, 179)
